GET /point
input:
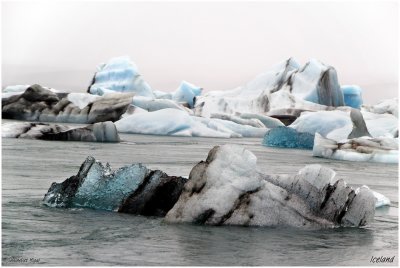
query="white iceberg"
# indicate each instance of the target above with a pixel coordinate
(390, 106)
(179, 123)
(313, 87)
(383, 150)
(119, 74)
(381, 200)
(337, 124)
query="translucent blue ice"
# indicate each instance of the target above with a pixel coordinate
(103, 189)
(288, 137)
(352, 96)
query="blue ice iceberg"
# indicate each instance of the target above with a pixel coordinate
(288, 137)
(131, 189)
(120, 75)
(352, 96)
(186, 93)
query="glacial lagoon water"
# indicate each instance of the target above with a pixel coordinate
(33, 234)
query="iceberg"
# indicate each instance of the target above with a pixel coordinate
(383, 149)
(98, 132)
(37, 103)
(187, 93)
(352, 96)
(288, 137)
(179, 123)
(313, 87)
(390, 106)
(381, 200)
(228, 189)
(121, 75)
(338, 124)
(132, 189)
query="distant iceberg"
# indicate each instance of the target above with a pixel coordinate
(179, 123)
(352, 96)
(119, 74)
(312, 87)
(383, 150)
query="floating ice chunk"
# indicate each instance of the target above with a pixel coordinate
(82, 99)
(359, 149)
(288, 137)
(131, 189)
(381, 200)
(390, 106)
(186, 93)
(352, 96)
(228, 189)
(121, 75)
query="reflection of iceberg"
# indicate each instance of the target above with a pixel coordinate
(121, 75)
(227, 189)
(134, 189)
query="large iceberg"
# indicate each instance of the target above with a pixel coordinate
(384, 150)
(352, 96)
(228, 189)
(179, 123)
(132, 189)
(287, 85)
(119, 74)
(98, 132)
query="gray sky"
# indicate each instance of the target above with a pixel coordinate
(216, 45)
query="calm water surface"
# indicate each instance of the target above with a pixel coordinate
(87, 237)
